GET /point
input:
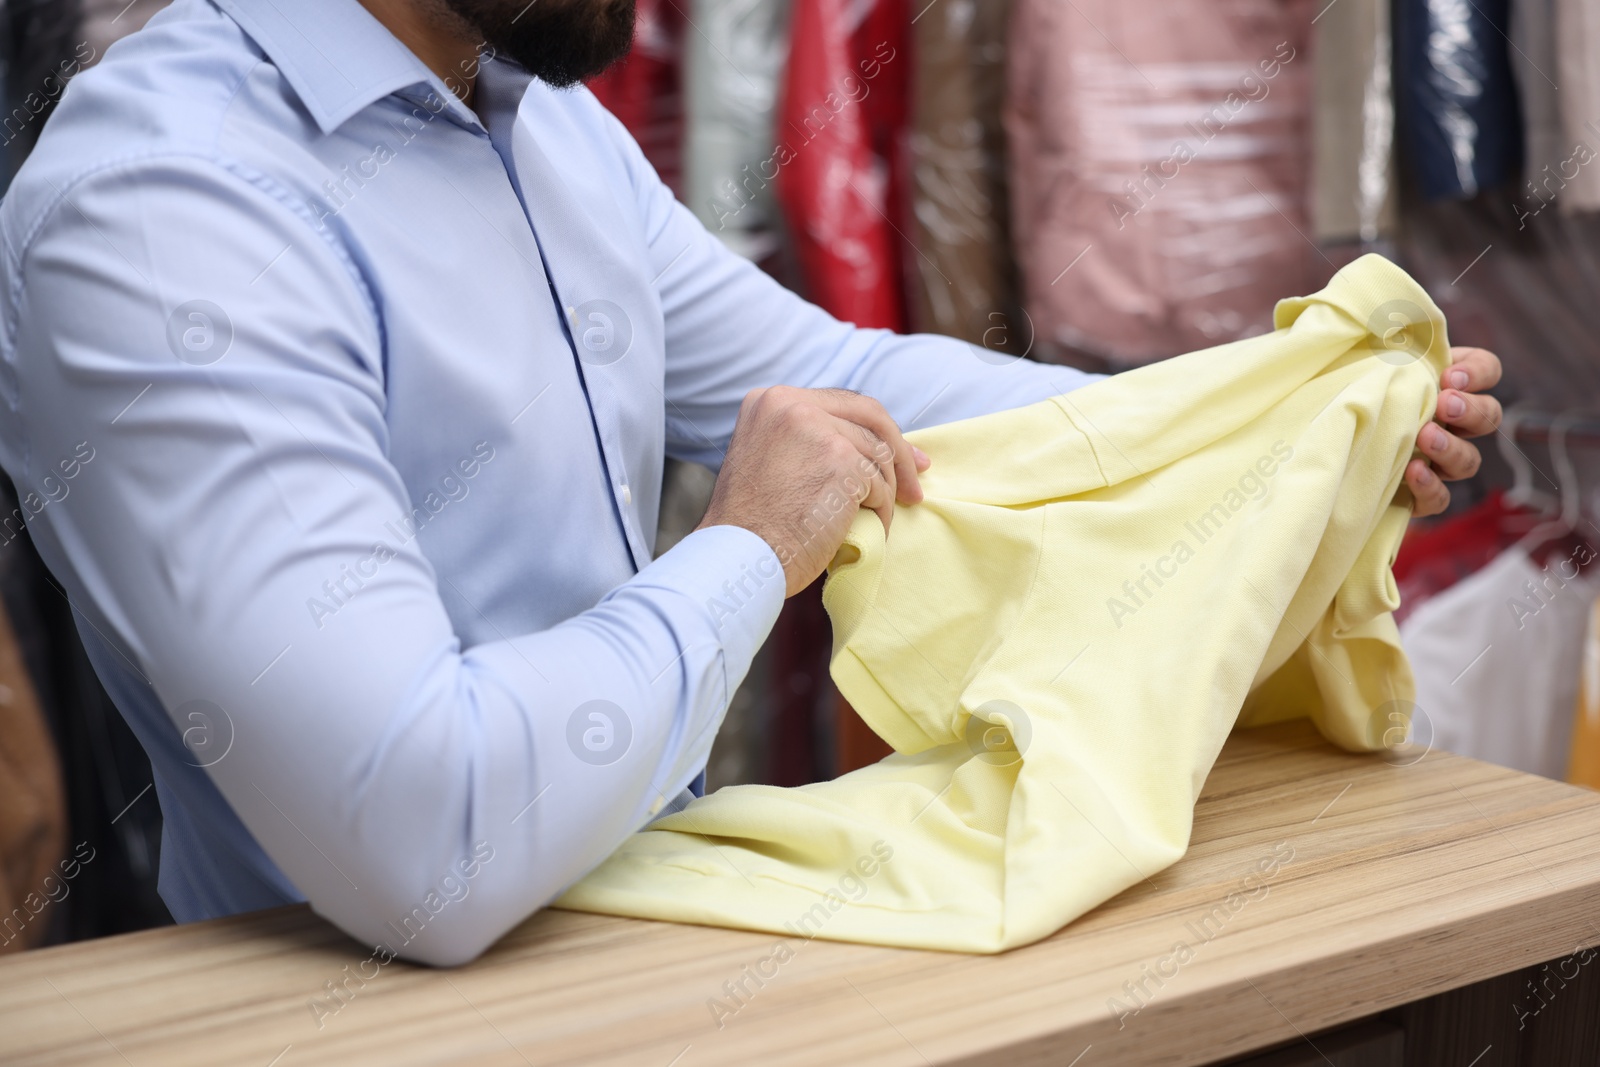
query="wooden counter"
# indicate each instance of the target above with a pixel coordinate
(1406, 879)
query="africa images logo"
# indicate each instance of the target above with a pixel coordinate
(599, 732)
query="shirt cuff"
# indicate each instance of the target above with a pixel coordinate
(736, 578)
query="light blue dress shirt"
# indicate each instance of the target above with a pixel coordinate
(339, 412)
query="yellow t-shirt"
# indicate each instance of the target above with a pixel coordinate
(1056, 642)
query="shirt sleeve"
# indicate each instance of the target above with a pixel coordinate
(221, 356)
(731, 328)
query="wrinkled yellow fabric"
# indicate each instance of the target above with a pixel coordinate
(1056, 642)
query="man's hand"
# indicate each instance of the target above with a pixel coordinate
(800, 464)
(1471, 371)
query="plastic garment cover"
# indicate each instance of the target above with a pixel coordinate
(963, 282)
(1516, 272)
(1533, 65)
(1458, 105)
(645, 90)
(1352, 123)
(842, 119)
(1577, 35)
(733, 64)
(1159, 171)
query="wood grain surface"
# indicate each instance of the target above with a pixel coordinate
(1408, 876)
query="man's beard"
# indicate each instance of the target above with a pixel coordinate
(560, 42)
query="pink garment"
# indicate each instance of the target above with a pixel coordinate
(1159, 171)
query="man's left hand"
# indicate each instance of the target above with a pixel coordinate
(1471, 371)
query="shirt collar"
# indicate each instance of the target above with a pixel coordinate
(337, 57)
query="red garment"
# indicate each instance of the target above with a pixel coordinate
(645, 90)
(839, 165)
(840, 158)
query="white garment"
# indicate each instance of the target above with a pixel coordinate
(1352, 123)
(733, 63)
(1496, 659)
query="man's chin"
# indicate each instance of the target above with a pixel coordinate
(560, 42)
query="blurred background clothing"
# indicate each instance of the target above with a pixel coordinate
(32, 810)
(1457, 97)
(1160, 171)
(41, 47)
(85, 762)
(1096, 184)
(1107, 184)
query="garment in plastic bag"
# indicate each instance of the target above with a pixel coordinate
(1533, 65)
(963, 283)
(842, 116)
(1352, 185)
(1577, 34)
(734, 61)
(1459, 121)
(1159, 179)
(645, 89)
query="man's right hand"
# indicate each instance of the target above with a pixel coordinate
(801, 462)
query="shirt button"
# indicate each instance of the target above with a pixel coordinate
(572, 317)
(627, 495)
(656, 806)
